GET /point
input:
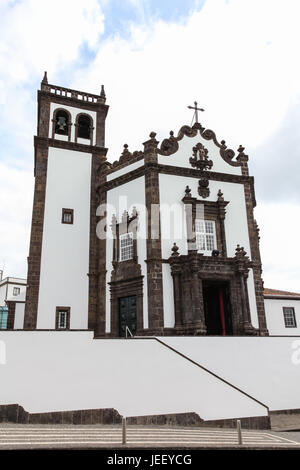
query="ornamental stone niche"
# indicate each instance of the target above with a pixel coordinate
(200, 161)
(126, 284)
(209, 210)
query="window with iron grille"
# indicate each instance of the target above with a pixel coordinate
(289, 317)
(3, 318)
(126, 246)
(62, 318)
(205, 235)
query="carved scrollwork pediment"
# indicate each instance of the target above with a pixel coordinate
(170, 145)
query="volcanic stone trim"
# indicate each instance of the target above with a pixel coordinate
(170, 146)
(16, 414)
(93, 249)
(126, 280)
(194, 420)
(256, 260)
(153, 242)
(68, 101)
(126, 276)
(62, 144)
(214, 211)
(207, 268)
(99, 270)
(35, 250)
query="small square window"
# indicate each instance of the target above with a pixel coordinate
(67, 216)
(16, 291)
(62, 318)
(289, 317)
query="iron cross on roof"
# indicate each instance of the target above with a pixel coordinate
(196, 109)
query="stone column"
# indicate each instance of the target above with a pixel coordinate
(154, 261)
(175, 265)
(198, 324)
(242, 267)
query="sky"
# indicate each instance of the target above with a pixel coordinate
(237, 58)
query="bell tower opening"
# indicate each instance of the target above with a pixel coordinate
(217, 308)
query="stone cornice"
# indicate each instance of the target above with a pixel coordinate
(45, 142)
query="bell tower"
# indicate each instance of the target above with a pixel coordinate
(69, 151)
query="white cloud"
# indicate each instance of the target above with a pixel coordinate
(279, 240)
(16, 196)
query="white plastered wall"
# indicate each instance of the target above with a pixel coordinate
(125, 170)
(171, 189)
(65, 247)
(71, 371)
(275, 318)
(74, 112)
(121, 198)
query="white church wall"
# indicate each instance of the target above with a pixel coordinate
(125, 197)
(182, 156)
(125, 170)
(71, 371)
(65, 247)
(275, 318)
(172, 188)
(173, 228)
(74, 112)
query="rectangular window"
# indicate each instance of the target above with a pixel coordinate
(62, 318)
(289, 317)
(16, 291)
(205, 235)
(3, 318)
(126, 246)
(67, 216)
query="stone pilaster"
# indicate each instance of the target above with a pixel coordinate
(154, 262)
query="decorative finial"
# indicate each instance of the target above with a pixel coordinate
(240, 252)
(45, 79)
(175, 250)
(152, 135)
(102, 95)
(220, 195)
(188, 191)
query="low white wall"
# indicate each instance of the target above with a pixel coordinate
(52, 371)
(265, 367)
(275, 319)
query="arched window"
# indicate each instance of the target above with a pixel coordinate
(84, 127)
(62, 123)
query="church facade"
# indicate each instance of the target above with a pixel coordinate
(161, 242)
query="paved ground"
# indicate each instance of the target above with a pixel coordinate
(60, 436)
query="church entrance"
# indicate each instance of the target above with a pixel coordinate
(217, 308)
(127, 314)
